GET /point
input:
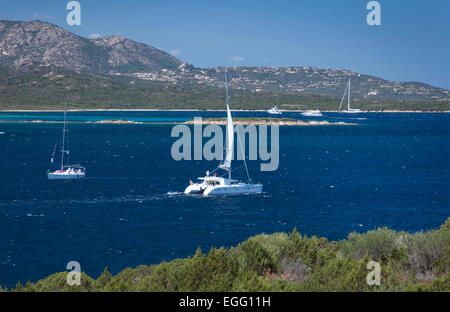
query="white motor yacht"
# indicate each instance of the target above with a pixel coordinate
(312, 113)
(274, 111)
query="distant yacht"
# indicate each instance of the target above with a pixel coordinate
(312, 113)
(67, 172)
(274, 111)
(218, 185)
(349, 110)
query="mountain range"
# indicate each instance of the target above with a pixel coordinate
(36, 54)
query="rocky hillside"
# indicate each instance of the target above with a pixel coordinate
(38, 43)
(24, 46)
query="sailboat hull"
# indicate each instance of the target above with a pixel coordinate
(65, 176)
(352, 111)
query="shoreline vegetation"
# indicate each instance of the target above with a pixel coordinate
(286, 262)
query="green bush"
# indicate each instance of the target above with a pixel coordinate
(338, 275)
(165, 276)
(254, 257)
(104, 279)
(275, 244)
(429, 252)
(213, 272)
(382, 245)
(128, 279)
(313, 252)
(294, 270)
(439, 284)
(58, 283)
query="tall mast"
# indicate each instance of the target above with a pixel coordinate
(348, 101)
(228, 125)
(64, 136)
(226, 86)
(343, 97)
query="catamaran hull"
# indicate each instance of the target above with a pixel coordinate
(63, 176)
(197, 189)
(233, 190)
(193, 189)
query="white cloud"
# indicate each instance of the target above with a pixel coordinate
(94, 36)
(40, 16)
(175, 52)
(237, 59)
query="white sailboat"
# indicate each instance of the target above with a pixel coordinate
(349, 109)
(216, 185)
(66, 172)
(274, 111)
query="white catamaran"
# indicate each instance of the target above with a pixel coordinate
(216, 185)
(348, 110)
(67, 172)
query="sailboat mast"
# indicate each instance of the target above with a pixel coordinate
(228, 116)
(64, 136)
(348, 101)
(343, 97)
(226, 87)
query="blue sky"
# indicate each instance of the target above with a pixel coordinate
(411, 44)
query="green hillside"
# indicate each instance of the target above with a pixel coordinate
(46, 88)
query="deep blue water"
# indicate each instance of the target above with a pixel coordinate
(392, 170)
